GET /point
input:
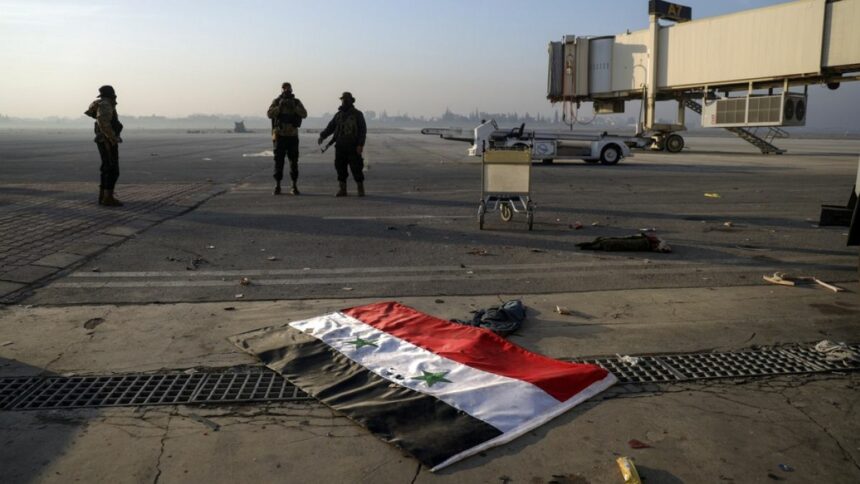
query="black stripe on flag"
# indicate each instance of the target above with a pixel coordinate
(422, 425)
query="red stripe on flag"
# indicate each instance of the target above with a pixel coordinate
(479, 348)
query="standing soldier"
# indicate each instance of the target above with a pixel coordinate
(350, 132)
(107, 129)
(286, 113)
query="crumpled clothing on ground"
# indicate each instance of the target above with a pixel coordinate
(634, 243)
(502, 320)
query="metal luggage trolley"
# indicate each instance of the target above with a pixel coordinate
(506, 184)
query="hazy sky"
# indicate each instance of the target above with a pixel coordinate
(180, 57)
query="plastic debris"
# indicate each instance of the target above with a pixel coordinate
(648, 229)
(239, 296)
(96, 269)
(784, 279)
(347, 288)
(836, 351)
(630, 360)
(245, 281)
(786, 468)
(728, 224)
(562, 310)
(637, 444)
(272, 258)
(205, 421)
(712, 195)
(628, 470)
(210, 246)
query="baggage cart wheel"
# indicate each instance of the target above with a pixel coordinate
(610, 155)
(506, 211)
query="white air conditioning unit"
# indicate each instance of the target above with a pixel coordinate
(780, 110)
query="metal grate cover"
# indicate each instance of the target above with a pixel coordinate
(228, 386)
(704, 366)
(258, 384)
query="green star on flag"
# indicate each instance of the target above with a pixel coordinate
(431, 378)
(360, 343)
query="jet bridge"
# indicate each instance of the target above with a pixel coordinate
(747, 71)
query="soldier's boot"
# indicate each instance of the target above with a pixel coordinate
(101, 196)
(342, 190)
(110, 201)
(360, 189)
(294, 189)
(277, 189)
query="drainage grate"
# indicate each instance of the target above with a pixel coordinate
(228, 386)
(257, 384)
(704, 366)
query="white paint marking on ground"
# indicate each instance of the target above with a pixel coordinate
(399, 217)
(515, 279)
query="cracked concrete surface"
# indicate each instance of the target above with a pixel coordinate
(719, 431)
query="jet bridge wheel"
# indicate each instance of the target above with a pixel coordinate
(674, 143)
(610, 155)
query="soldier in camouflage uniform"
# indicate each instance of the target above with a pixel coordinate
(286, 113)
(107, 130)
(350, 133)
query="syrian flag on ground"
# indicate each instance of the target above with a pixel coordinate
(438, 390)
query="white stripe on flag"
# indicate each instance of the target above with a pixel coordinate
(503, 402)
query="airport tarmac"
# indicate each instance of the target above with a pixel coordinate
(201, 217)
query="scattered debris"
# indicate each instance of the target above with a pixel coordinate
(194, 263)
(630, 360)
(210, 246)
(784, 279)
(637, 444)
(245, 281)
(774, 477)
(190, 371)
(562, 310)
(96, 269)
(502, 320)
(712, 195)
(786, 468)
(347, 288)
(92, 323)
(836, 351)
(440, 301)
(7, 343)
(480, 252)
(272, 258)
(470, 272)
(205, 421)
(595, 224)
(239, 296)
(728, 224)
(634, 243)
(538, 251)
(648, 229)
(628, 470)
(391, 227)
(230, 308)
(577, 226)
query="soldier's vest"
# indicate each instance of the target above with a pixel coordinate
(288, 120)
(92, 112)
(346, 131)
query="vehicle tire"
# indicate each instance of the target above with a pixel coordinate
(506, 211)
(610, 155)
(674, 143)
(547, 161)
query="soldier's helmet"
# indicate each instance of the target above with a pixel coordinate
(107, 91)
(347, 96)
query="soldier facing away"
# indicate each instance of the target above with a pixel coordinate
(350, 133)
(107, 130)
(286, 113)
